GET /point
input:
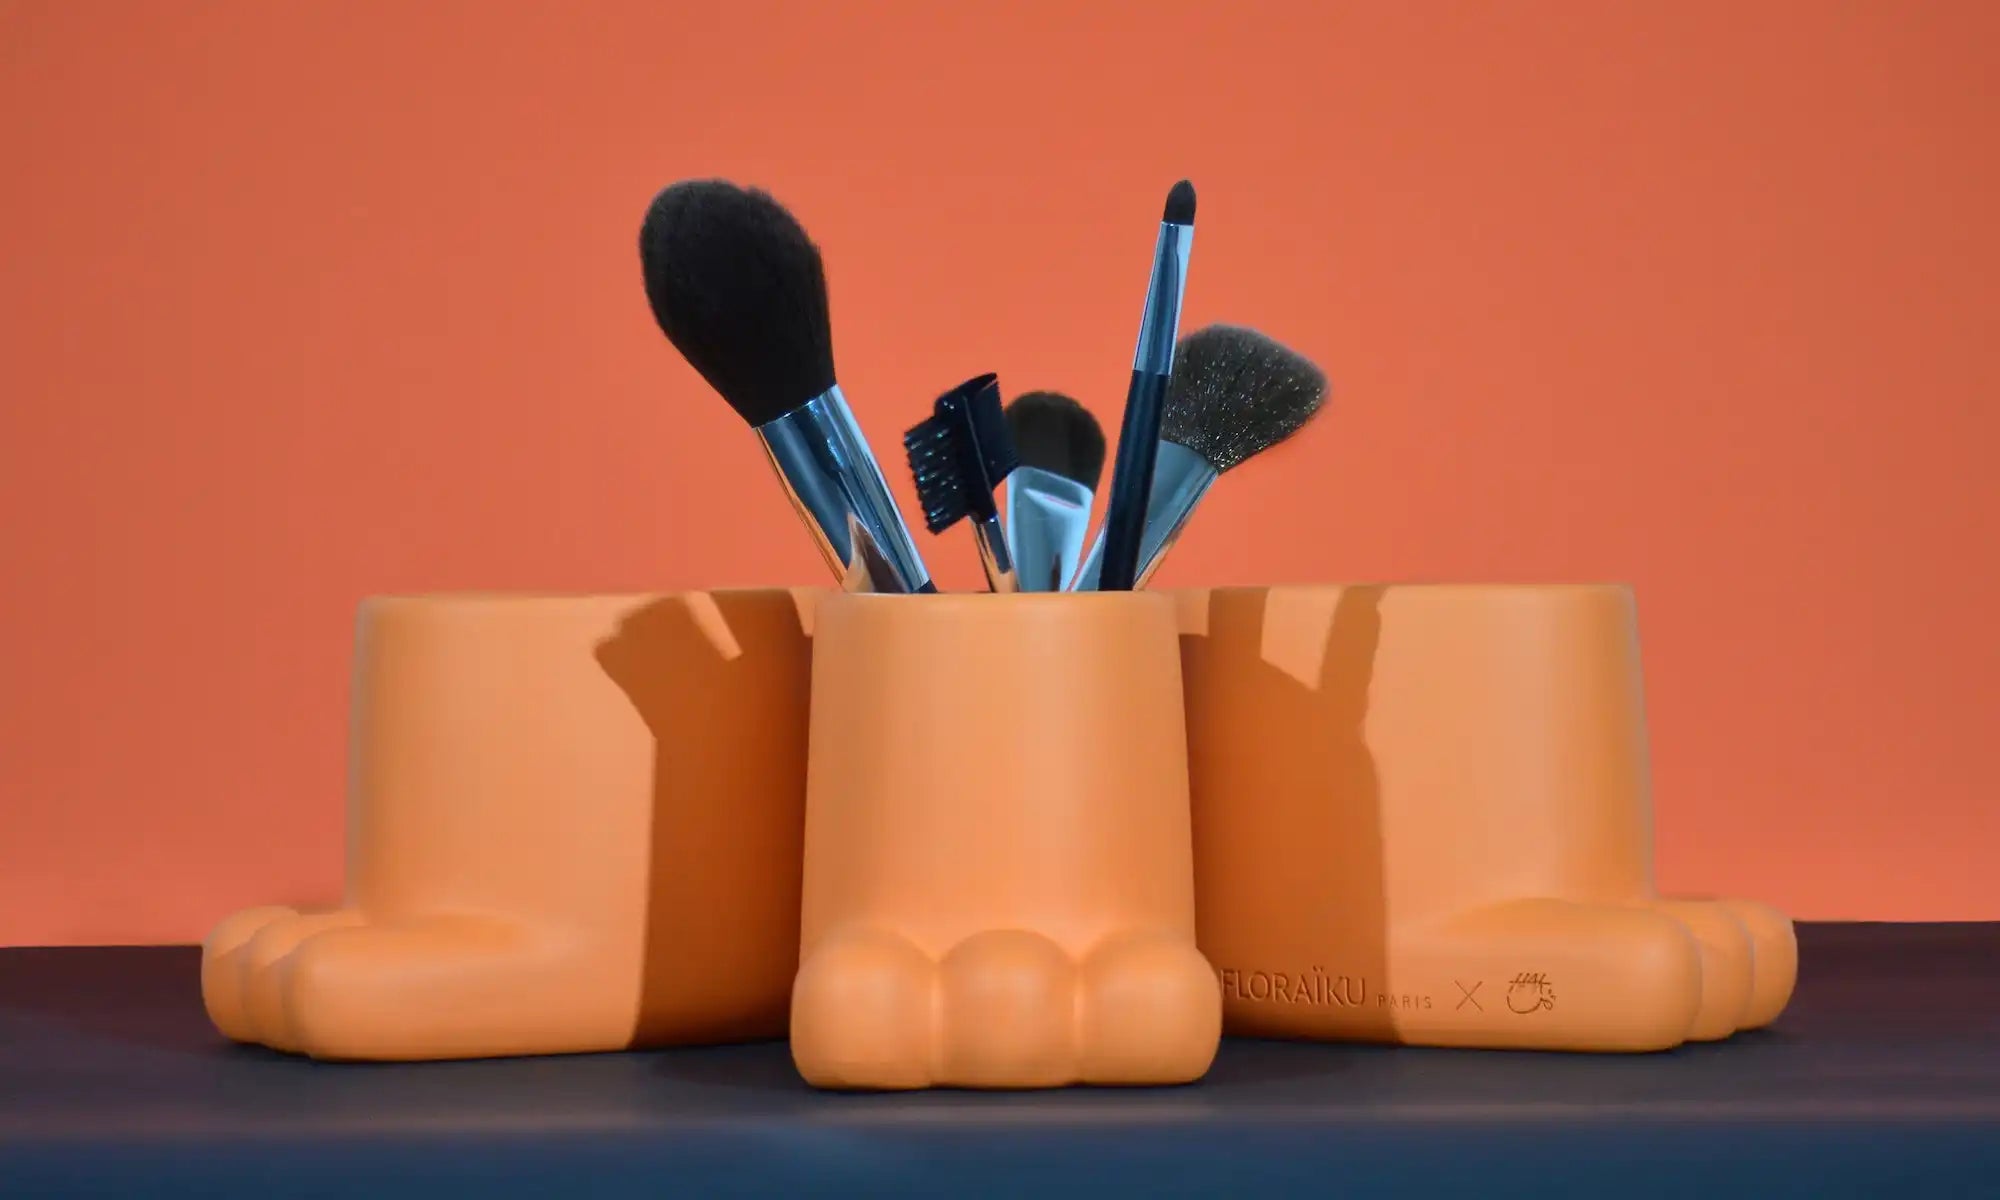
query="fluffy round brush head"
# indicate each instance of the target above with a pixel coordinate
(739, 289)
(1058, 435)
(1236, 393)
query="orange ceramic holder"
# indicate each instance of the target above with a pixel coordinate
(998, 887)
(1422, 814)
(574, 824)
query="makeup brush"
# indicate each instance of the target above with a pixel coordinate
(1049, 495)
(1235, 394)
(958, 457)
(1152, 363)
(740, 291)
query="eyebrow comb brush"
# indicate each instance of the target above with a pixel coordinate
(958, 456)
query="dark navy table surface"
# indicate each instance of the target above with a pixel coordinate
(1883, 1078)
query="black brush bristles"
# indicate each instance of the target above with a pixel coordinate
(1180, 204)
(961, 454)
(740, 291)
(1056, 434)
(1236, 393)
(993, 449)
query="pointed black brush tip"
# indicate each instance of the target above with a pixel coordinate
(1053, 433)
(738, 288)
(1180, 204)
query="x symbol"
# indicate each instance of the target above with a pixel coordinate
(1467, 999)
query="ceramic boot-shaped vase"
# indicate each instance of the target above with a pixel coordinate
(1422, 814)
(998, 879)
(574, 824)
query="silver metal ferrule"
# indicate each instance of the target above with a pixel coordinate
(1180, 479)
(1160, 325)
(837, 486)
(1048, 517)
(994, 555)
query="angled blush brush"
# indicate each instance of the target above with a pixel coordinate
(1235, 394)
(1152, 364)
(1049, 495)
(958, 457)
(739, 289)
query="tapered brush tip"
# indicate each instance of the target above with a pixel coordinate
(1236, 393)
(1056, 434)
(740, 291)
(1180, 204)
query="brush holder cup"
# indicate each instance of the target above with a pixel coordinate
(998, 870)
(1422, 815)
(574, 824)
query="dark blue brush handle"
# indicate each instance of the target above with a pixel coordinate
(1132, 481)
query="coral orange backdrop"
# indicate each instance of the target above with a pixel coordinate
(304, 301)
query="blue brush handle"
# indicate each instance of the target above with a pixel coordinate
(1132, 482)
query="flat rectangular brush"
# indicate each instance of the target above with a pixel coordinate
(1049, 494)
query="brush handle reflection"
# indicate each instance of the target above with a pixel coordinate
(1160, 322)
(838, 488)
(1180, 479)
(1048, 518)
(994, 555)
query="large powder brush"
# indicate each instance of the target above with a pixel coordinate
(1235, 393)
(740, 291)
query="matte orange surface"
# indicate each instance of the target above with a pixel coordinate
(305, 302)
(998, 887)
(574, 824)
(1422, 815)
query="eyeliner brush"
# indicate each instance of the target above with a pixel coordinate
(1152, 366)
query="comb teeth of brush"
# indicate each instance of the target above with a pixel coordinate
(935, 456)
